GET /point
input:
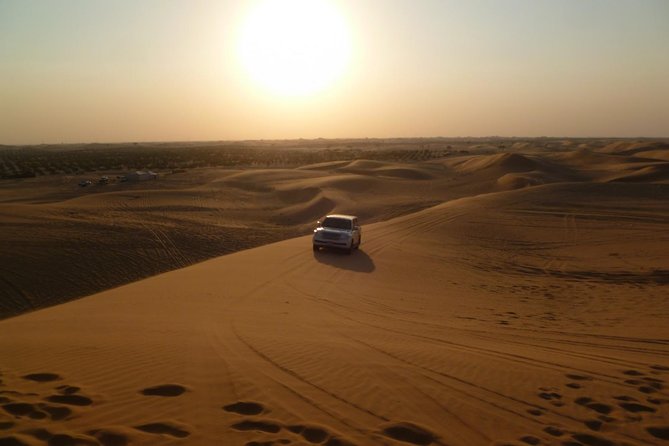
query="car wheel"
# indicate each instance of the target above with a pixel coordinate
(358, 244)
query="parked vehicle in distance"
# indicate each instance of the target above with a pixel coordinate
(84, 183)
(338, 231)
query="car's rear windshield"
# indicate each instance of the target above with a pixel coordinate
(338, 223)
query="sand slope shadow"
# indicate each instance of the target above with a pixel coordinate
(358, 261)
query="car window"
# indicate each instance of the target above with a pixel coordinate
(337, 223)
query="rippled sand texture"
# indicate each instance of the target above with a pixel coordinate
(529, 306)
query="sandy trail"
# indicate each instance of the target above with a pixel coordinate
(479, 321)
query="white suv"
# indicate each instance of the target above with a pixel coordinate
(338, 231)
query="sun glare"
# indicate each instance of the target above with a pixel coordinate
(294, 47)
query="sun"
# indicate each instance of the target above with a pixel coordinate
(294, 47)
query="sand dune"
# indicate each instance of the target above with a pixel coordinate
(631, 147)
(329, 165)
(656, 173)
(393, 170)
(347, 182)
(107, 236)
(654, 154)
(525, 179)
(508, 162)
(508, 312)
(589, 160)
(309, 211)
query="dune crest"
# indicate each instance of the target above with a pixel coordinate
(508, 162)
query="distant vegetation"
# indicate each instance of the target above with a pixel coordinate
(31, 161)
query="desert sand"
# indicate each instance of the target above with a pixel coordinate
(499, 297)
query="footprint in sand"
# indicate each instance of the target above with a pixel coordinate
(245, 408)
(52, 439)
(646, 389)
(165, 428)
(71, 440)
(95, 437)
(576, 377)
(310, 433)
(636, 408)
(658, 401)
(594, 405)
(334, 441)
(551, 396)
(107, 437)
(37, 411)
(13, 440)
(68, 390)
(554, 431)
(592, 440)
(55, 407)
(56, 413)
(71, 400)
(594, 425)
(24, 410)
(409, 433)
(651, 385)
(661, 432)
(42, 377)
(269, 426)
(170, 390)
(317, 435)
(530, 439)
(654, 380)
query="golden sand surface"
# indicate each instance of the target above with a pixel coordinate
(506, 297)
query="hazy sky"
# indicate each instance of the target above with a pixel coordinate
(88, 70)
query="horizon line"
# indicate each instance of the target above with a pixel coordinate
(352, 138)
